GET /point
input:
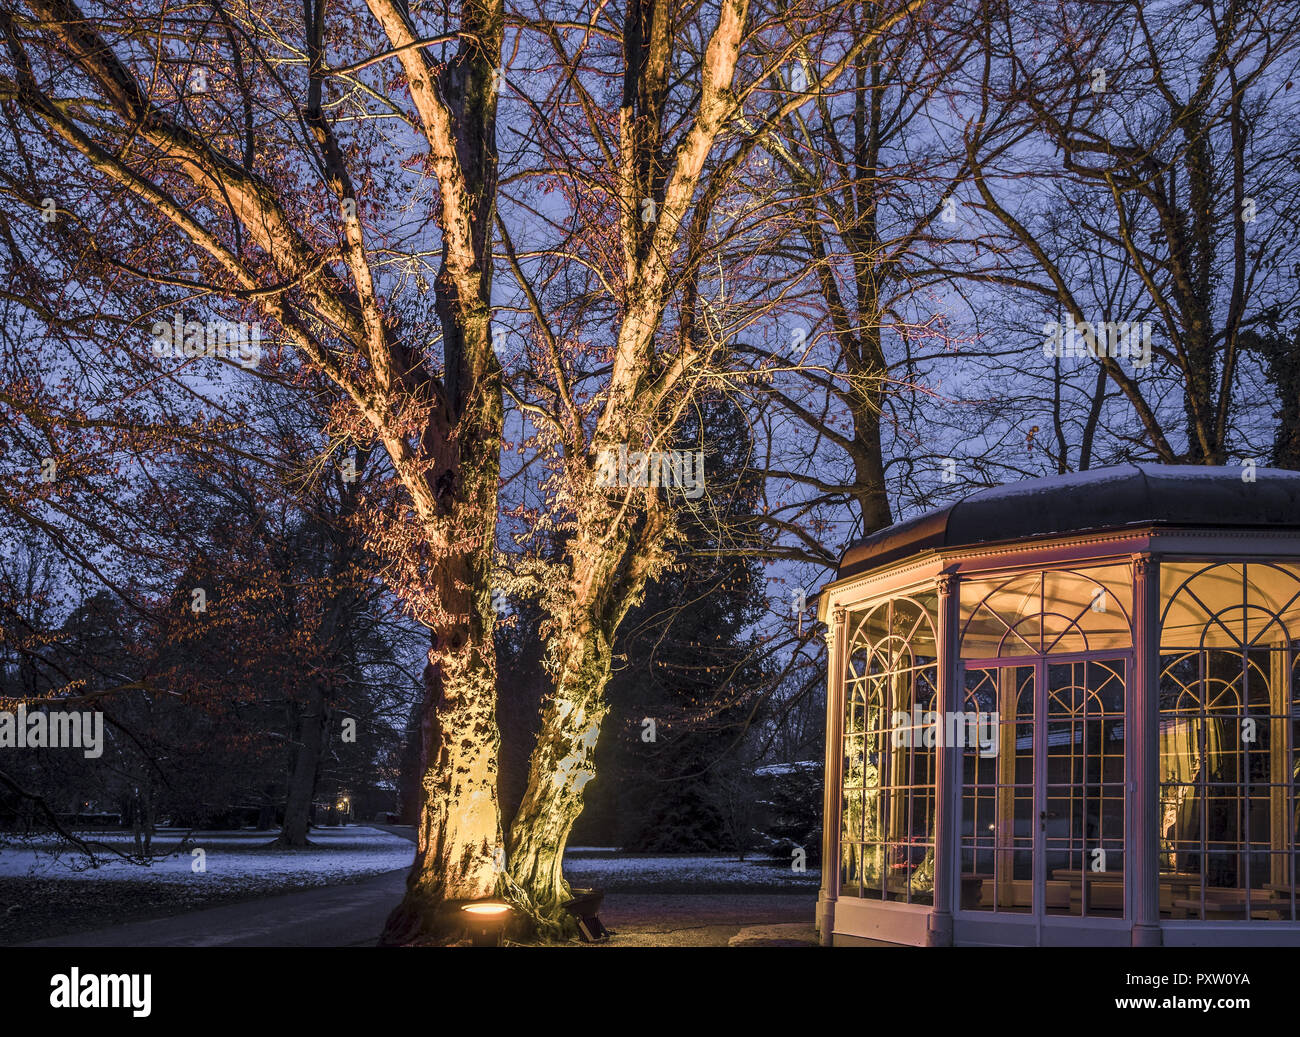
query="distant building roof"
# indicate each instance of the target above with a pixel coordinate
(1102, 499)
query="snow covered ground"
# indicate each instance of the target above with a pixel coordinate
(605, 868)
(237, 860)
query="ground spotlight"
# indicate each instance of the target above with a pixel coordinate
(486, 921)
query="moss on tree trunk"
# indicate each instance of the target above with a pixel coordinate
(562, 765)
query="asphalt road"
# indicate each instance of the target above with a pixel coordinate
(335, 916)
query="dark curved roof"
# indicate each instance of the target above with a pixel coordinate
(1101, 499)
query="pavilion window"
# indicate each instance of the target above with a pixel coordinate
(887, 845)
(1229, 728)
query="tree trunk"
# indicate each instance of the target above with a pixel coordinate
(266, 812)
(459, 853)
(302, 772)
(149, 817)
(609, 574)
(1282, 356)
(142, 817)
(562, 764)
(869, 466)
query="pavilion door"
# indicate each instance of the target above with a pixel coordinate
(1043, 791)
(999, 796)
(1082, 786)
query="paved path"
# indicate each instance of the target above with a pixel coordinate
(335, 916)
(710, 920)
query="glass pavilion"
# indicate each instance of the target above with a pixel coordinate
(1067, 711)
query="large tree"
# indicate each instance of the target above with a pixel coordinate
(632, 325)
(258, 164)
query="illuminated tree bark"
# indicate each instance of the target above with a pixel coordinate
(460, 824)
(620, 536)
(562, 762)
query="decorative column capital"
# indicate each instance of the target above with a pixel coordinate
(835, 629)
(1143, 565)
(947, 584)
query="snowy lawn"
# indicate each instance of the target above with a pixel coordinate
(240, 860)
(233, 860)
(46, 890)
(605, 868)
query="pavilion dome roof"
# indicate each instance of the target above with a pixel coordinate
(1131, 495)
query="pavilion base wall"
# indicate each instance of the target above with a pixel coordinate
(863, 923)
(1238, 934)
(880, 920)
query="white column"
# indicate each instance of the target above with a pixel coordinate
(947, 772)
(836, 660)
(1143, 743)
